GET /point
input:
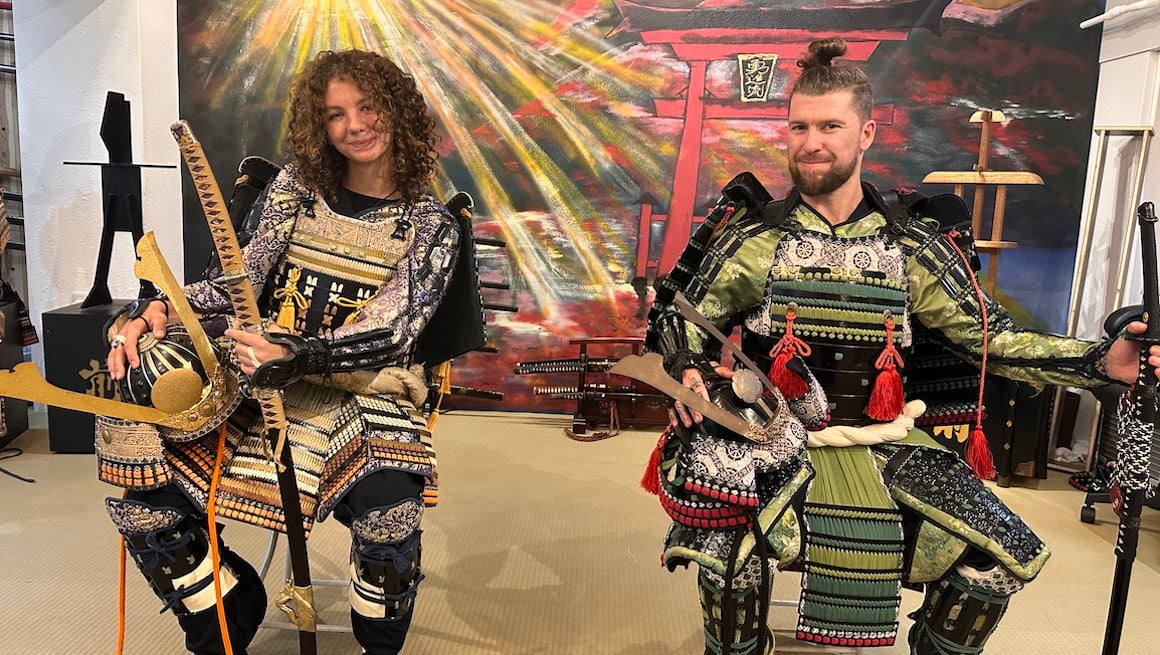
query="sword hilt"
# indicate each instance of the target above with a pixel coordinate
(1146, 216)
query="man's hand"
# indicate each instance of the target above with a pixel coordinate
(1123, 358)
(691, 378)
(123, 346)
(254, 349)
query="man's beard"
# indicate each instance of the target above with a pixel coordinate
(829, 181)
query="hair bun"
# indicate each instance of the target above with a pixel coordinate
(822, 52)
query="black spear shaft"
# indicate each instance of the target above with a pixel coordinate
(1128, 534)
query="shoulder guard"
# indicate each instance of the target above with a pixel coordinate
(930, 217)
(254, 174)
(743, 200)
(741, 210)
(457, 326)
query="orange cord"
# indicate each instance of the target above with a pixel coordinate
(213, 549)
(979, 456)
(726, 215)
(443, 372)
(213, 541)
(121, 595)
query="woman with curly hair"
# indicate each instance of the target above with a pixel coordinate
(350, 256)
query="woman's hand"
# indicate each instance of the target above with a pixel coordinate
(253, 350)
(1123, 358)
(123, 345)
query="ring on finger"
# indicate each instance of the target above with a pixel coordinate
(253, 357)
(117, 341)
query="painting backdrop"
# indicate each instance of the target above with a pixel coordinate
(595, 134)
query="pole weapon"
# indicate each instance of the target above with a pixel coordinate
(1137, 427)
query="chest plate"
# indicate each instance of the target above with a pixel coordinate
(840, 289)
(335, 264)
(840, 293)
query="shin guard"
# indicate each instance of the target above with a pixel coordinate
(733, 612)
(385, 574)
(961, 611)
(172, 550)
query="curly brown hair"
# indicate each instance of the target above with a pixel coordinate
(820, 76)
(396, 98)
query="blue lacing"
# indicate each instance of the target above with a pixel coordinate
(397, 554)
(173, 598)
(158, 546)
(400, 601)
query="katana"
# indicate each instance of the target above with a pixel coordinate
(297, 598)
(1137, 427)
(565, 366)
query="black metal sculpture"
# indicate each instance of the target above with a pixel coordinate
(121, 193)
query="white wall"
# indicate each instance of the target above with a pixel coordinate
(69, 53)
(1127, 95)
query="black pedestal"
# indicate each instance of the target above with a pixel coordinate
(74, 358)
(11, 354)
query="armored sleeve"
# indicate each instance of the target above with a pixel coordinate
(944, 298)
(728, 281)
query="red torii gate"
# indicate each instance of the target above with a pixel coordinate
(698, 47)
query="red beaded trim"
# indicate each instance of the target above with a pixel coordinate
(844, 641)
(733, 498)
(703, 517)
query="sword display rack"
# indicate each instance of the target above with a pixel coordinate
(980, 178)
(599, 394)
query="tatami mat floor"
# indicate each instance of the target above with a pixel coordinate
(540, 545)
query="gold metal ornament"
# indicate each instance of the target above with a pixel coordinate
(184, 407)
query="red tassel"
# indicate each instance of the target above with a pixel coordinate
(787, 382)
(790, 384)
(978, 450)
(651, 480)
(887, 399)
(979, 454)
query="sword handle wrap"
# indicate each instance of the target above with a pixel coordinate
(221, 229)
